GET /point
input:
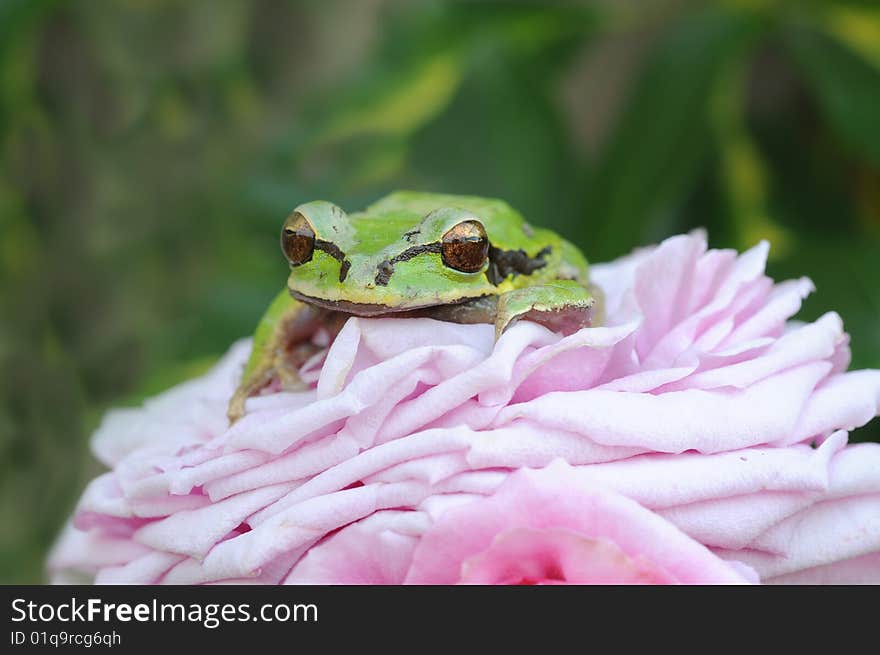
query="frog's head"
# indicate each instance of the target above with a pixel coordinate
(378, 262)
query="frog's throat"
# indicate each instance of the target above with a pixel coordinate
(361, 308)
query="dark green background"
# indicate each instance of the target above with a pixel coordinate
(151, 148)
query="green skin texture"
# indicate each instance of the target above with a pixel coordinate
(557, 294)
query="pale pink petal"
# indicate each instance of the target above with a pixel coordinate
(166, 505)
(529, 443)
(816, 341)
(431, 469)
(822, 534)
(183, 480)
(662, 481)
(845, 402)
(302, 524)
(303, 463)
(645, 381)
(91, 550)
(857, 570)
(662, 282)
(736, 522)
(147, 569)
(103, 495)
(374, 551)
(357, 468)
(194, 532)
(783, 302)
(693, 419)
(472, 482)
(854, 471)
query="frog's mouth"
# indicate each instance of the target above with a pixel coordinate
(359, 308)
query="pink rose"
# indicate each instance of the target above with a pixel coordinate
(698, 400)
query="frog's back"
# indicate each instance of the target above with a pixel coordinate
(505, 225)
(422, 203)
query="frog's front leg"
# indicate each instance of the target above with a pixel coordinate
(281, 345)
(562, 306)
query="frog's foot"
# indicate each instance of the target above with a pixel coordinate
(561, 306)
(284, 367)
(282, 344)
(249, 387)
(288, 364)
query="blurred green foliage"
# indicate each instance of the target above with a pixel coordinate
(151, 148)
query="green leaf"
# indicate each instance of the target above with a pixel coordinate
(655, 152)
(510, 142)
(18, 16)
(846, 86)
(402, 105)
(744, 176)
(424, 57)
(455, 97)
(858, 28)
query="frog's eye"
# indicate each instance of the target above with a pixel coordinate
(297, 239)
(465, 247)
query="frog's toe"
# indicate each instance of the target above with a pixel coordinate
(290, 379)
(235, 409)
(566, 319)
(249, 386)
(562, 307)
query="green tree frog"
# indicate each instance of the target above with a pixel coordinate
(464, 259)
